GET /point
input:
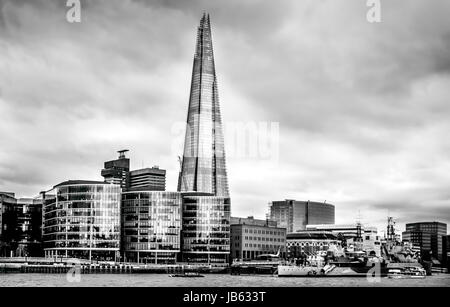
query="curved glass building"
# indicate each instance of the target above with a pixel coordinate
(206, 228)
(151, 223)
(81, 219)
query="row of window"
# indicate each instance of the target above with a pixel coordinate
(265, 232)
(269, 239)
(264, 246)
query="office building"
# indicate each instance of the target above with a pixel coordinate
(151, 225)
(205, 228)
(251, 238)
(116, 171)
(20, 226)
(29, 227)
(295, 215)
(8, 224)
(428, 236)
(147, 179)
(81, 219)
(205, 236)
(446, 243)
(309, 242)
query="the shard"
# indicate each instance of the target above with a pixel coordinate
(203, 167)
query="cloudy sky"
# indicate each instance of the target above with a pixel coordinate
(363, 108)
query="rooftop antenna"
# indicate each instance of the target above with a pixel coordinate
(391, 229)
(122, 153)
(359, 238)
(359, 217)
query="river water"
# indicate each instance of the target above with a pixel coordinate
(212, 280)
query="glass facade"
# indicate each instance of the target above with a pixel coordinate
(429, 236)
(296, 215)
(29, 232)
(151, 224)
(8, 224)
(203, 166)
(206, 229)
(20, 226)
(320, 213)
(82, 220)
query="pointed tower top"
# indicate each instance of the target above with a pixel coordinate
(204, 21)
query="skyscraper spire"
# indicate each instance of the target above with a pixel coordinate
(203, 166)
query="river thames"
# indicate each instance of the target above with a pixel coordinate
(210, 280)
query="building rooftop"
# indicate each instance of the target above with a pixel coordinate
(252, 221)
(417, 223)
(8, 194)
(79, 182)
(317, 235)
(154, 171)
(338, 227)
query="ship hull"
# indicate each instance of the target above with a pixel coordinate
(305, 271)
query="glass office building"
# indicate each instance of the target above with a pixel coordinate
(203, 166)
(151, 224)
(205, 235)
(20, 226)
(8, 224)
(29, 231)
(81, 219)
(296, 215)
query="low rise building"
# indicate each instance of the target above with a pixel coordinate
(251, 238)
(309, 242)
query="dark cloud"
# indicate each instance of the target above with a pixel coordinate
(362, 108)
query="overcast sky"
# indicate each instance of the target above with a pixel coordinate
(363, 108)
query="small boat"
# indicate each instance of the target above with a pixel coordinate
(193, 274)
(407, 272)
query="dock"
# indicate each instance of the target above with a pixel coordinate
(65, 265)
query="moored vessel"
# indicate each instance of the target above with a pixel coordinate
(407, 272)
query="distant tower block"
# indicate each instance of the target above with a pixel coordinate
(116, 171)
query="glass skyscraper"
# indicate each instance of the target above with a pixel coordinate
(203, 165)
(205, 236)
